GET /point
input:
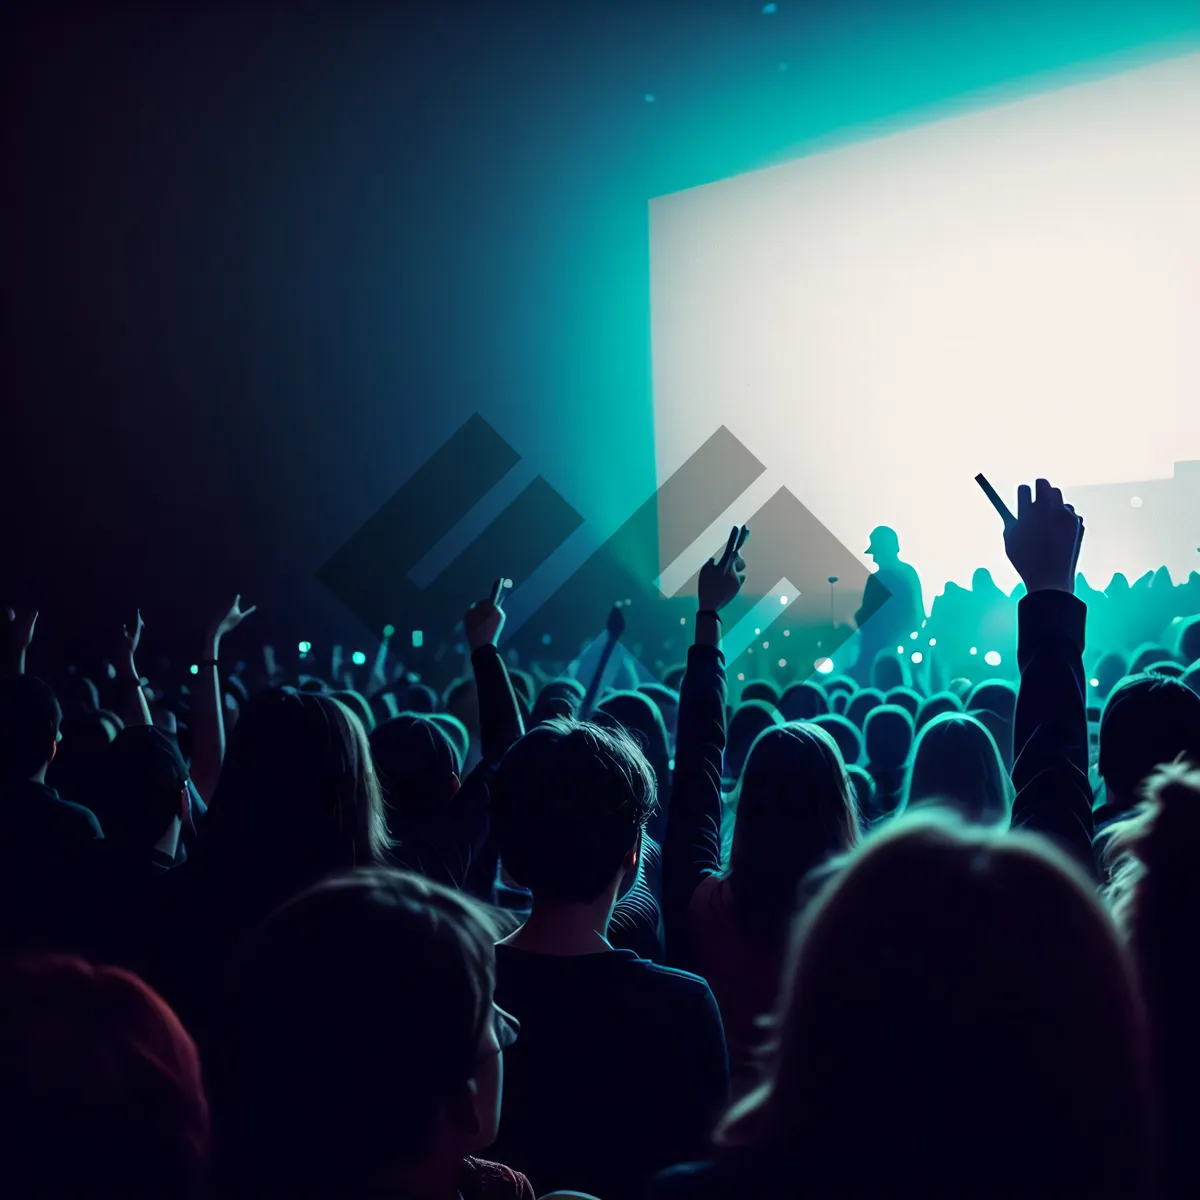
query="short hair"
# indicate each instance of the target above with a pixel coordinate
(935, 705)
(1148, 721)
(414, 759)
(906, 698)
(375, 976)
(99, 1084)
(761, 689)
(570, 801)
(29, 722)
(803, 701)
(845, 733)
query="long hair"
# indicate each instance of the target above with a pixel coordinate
(956, 762)
(795, 809)
(1154, 894)
(297, 799)
(966, 988)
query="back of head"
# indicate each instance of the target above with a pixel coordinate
(933, 975)
(666, 701)
(358, 704)
(419, 698)
(1187, 641)
(1155, 893)
(99, 1084)
(955, 762)
(1191, 678)
(1148, 720)
(570, 801)
(864, 789)
(861, 703)
(638, 715)
(795, 810)
(297, 798)
(1110, 670)
(457, 732)
(749, 719)
(29, 721)
(994, 696)
(1146, 655)
(761, 689)
(673, 676)
(415, 762)
(802, 702)
(906, 698)
(888, 735)
(889, 671)
(935, 705)
(354, 1013)
(522, 684)
(143, 777)
(558, 698)
(844, 733)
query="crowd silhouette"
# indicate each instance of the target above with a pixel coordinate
(914, 928)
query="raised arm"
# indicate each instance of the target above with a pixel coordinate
(1050, 738)
(500, 721)
(208, 719)
(135, 709)
(693, 843)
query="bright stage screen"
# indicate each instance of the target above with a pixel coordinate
(1014, 290)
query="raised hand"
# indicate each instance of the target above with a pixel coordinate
(721, 579)
(130, 638)
(229, 618)
(484, 620)
(1043, 542)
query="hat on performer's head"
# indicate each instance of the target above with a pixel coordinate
(883, 541)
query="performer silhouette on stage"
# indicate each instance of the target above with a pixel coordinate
(892, 605)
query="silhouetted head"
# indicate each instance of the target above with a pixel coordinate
(456, 731)
(749, 719)
(144, 787)
(888, 735)
(373, 976)
(982, 581)
(570, 801)
(1148, 721)
(955, 763)
(996, 696)
(297, 798)
(935, 705)
(418, 768)
(558, 698)
(795, 809)
(864, 788)
(1146, 655)
(761, 689)
(861, 703)
(845, 733)
(906, 698)
(802, 702)
(667, 702)
(100, 1086)
(356, 702)
(418, 698)
(890, 670)
(1187, 641)
(29, 723)
(931, 974)
(639, 717)
(1110, 670)
(884, 546)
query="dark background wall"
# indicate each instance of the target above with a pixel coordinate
(258, 262)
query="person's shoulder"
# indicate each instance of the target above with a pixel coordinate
(479, 1179)
(75, 817)
(671, 981)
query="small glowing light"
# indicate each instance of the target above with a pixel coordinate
(358, 658)
(388, 630)
(824, 665)
(973, 650)
(913, 635)
(933, 641)
(649, 97)
(195, 669)
(766, 645)
(1135, 502)
(1094, 682)
(418, 639)
(545, 639)
(917, 656)
(782, 599)
(741, 676)
(787, 633)
(992, 658)
(899, 649)
(683, 620)
(758, 631)
(783, 662)
(923, 623)
(305, 647)
(770, 9)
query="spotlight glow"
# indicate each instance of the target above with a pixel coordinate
(974, 650)
(194, 669)
(992, 658)
(824, 665)
(418, 639)
(358, 658)
(305, 647)
(1094, 682)
(917, 656)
